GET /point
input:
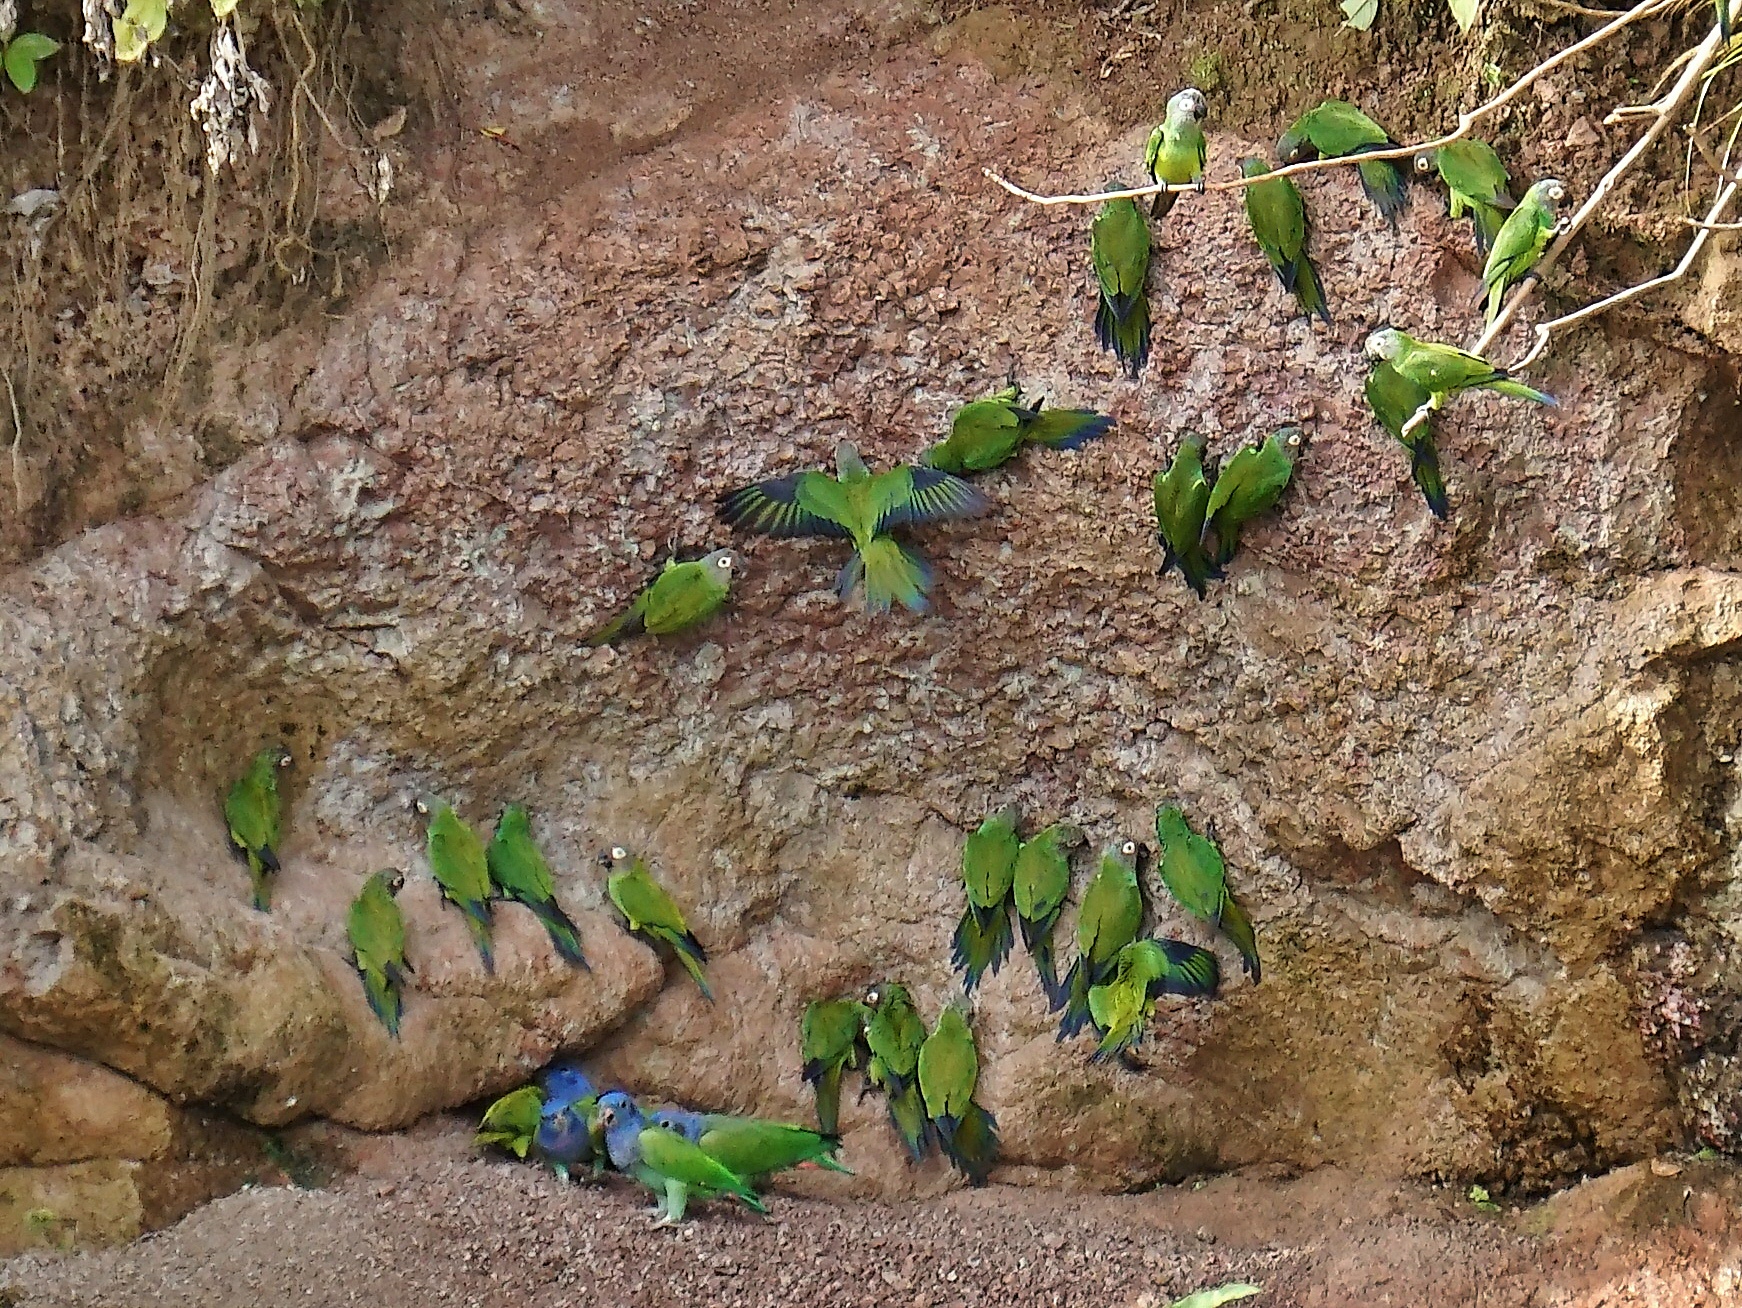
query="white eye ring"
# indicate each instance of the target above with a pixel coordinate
(618, 852)
(1129, 847)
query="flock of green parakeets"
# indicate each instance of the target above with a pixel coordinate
(929, 1078)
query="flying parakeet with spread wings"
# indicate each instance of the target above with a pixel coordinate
(1122, 1005)
(682, 596)
(1249, 484)
(1119, 248)
(753, 1147)
(1521, 241)
(511, 1122)
(456, 860)
(1444, 370)
(1182, 497)
(1394, 400)
(376, 928)
(1476, 182)
(666, 1163)
(1040, 884)
(251, 816)
(1336, 129)
(894, 1035)
(1111, 914)
(1176, 151)
(519, 871)
(1195, 875)
(832, 1040)
(949, 1072)
(863, 507)
(1278, 218)
(651, 914)
(983, 936)
(988, 432)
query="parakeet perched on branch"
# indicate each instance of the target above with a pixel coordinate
(1337, 129)
(1176, 151)
(1119, 248)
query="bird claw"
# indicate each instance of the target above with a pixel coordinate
(1200, 184)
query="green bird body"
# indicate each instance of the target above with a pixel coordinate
(251, 819)
(652, 914)
(684, 595)
(983, 936)
(519, 871)
(666, 1162)
(1336, 129)
(832, 1040)
(894, 1035)
(1521, 241)
(511, 1122)
(1039, 884)
(376, 929)
(1195, 875)
(1111, 915)
(1395, 399)
(1182, 498)
(1176, 151)
(862, 507)
(1119, 249)
(1476, 182)
(1444, 370)
(1278, 219)
(1249, 484)
(457, 861)
(1122, 1005)
(949, 1072)
(754, 1147)
(989, 432)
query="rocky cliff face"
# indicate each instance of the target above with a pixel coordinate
(1475, 780)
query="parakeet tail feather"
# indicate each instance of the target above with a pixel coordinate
(1424, 467)
(1075, 991)
(384, 998)
(890, 573)
(1519, 391)
(1067, 429)
(1309, 291)
(1238, 928)
(562, 931)
(477, 917)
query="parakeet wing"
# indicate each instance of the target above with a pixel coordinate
(773, 508)
(932, 496)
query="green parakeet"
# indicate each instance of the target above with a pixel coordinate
(989, 432)
(651, 914)
(519, 871)
(1476, 182)
(894, 1035)
(1336, 129)
(377, 931)
(665, 1162)
(684, 595)
(511, 1122)
(1249, 484)
(1122, 1005)
(1195, 875)
(1119, 249)
(1445, 370)
(1111, 914)
(1176, 151)
(456, 860)
(983, 936)
(1182, 497)
(832, 1040)
(1394, 400)
(1278, 219)
(753, 1147)
(1521, 240)
(863, 507)
(949, 1071)
(1039, 886)
(251, 814)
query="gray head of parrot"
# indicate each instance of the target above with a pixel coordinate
(1386, 343)
(848, 463)
(1426, 162)
(721, 562)
(426, 804)
(613, 857)
(1551, 191)
(394, 879)
(1294, 438)
(1189, 101)
(283, 757)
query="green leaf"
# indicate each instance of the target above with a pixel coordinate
(1359, 14)
(141, 23)
(1220, 1295)
(25, 51)
(1465, 12)
(223, 8)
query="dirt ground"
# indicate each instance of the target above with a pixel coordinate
(422, 1221)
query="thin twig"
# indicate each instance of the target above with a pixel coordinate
(1548, 329)
(17, 436)
(1667, 111)
(1466, 121)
